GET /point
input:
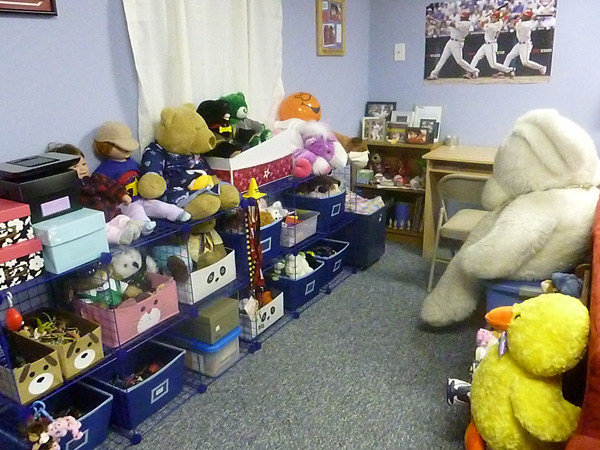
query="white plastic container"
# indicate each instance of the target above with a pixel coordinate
(291, 236)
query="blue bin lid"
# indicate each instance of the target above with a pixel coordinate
(509, 286)
(194, 344)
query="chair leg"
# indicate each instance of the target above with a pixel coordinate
(434, 256)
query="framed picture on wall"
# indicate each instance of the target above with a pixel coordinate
(373, 129)
(380, 109)
(29, 6)
(331, 27)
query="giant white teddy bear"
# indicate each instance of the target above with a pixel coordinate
(542, 198)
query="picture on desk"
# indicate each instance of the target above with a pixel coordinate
(415, 135)
(373, 129)
(498, 42)
(380, 109)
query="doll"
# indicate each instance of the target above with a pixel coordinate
(114, 143)
(102, 193)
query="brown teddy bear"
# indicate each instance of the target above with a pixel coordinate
(175, 171)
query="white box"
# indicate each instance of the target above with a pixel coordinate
(208, 280)
(269, 161)
(267, 316)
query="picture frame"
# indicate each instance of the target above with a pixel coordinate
(373, 129)
(380, 109)
(395, 132)
(331, 27)
(46, 7)
(428, 112)
(432, 126)
(405, 117)
(416, 135)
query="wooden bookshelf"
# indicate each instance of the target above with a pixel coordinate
(428, 147)
(405, 236)
(391, 188)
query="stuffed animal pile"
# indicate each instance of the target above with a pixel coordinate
(542, 198)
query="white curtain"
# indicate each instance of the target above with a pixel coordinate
(195, 50)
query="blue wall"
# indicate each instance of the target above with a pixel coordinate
(484, 114)
(339, 83)
(61, 77)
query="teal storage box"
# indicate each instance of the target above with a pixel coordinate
(72, 239)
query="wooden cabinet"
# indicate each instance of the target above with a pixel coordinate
(411, 157)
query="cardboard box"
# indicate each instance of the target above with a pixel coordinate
(269, 161)
(72, 239)
(123, 324)
(213, 322)
(267, 316)
(81, 354)
(40, 375)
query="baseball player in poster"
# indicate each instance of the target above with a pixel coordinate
(492, 25)
(454, 47)
(524, 46)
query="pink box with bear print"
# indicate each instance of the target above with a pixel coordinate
(120, 325)
(267, 162)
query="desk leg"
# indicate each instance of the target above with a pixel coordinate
(428, 212)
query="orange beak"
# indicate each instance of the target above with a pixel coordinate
(499, 318)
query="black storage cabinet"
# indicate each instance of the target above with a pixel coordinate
(366, 236)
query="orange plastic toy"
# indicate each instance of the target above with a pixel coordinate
(300, 105)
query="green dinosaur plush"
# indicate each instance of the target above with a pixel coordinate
(246, 131)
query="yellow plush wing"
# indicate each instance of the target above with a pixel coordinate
(540, 408)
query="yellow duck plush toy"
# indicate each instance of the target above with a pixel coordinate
(516, 394)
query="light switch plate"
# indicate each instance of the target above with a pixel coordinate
(399, 52)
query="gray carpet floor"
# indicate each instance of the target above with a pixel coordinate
(356, 371)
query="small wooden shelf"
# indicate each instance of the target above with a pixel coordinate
(391, 188)
(427, 147)
(404, 232)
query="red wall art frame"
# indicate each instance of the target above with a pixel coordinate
(29, 6)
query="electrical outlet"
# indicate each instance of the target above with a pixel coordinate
(399, 52)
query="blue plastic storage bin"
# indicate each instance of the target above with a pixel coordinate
(331, 209)
(134, 405)
(94, 403)
(210, 360)
(333, 264)
(301, 291)
(508, 292)
(270, 237)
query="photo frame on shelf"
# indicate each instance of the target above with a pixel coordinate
(404, 117)
(395, 132)
(431, 113)
(432, 127)
(380, 109)
(373, 129)
(416, 135)
(331, 27)
(47, 7)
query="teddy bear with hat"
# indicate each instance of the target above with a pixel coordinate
(114, 143)
(541, 200)
(175, 171)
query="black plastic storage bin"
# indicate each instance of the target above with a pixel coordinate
(366, 236)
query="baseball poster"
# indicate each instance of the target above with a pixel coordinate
(489, 41)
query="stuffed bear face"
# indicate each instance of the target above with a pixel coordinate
(184, 132)
(215, 113)
(543, 151)
(125, 264)
(238, 108)
(320, 146)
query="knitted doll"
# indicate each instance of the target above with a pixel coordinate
(114, 143)
(103, 194)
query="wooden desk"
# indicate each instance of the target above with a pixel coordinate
(440, 162)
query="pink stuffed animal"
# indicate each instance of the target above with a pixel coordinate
(60, 427)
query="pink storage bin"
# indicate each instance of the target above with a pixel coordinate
(123, 324)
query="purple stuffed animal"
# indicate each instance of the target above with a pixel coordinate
(318, 151)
